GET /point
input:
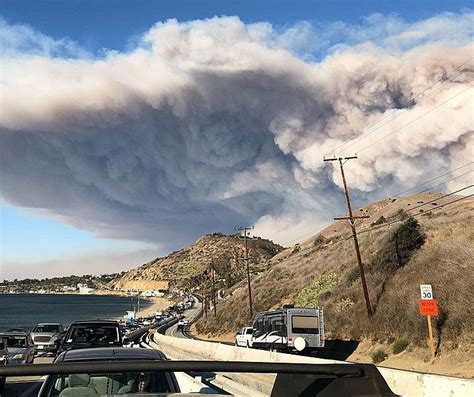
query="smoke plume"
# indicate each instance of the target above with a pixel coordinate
(212, 124)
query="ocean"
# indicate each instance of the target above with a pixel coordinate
(26, 310)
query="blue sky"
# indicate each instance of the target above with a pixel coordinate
(111, 24)
(94, 25)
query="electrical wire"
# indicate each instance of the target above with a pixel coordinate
(372, 128)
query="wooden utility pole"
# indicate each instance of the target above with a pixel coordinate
(213, 288)
(205, 299)
(351, 218)
(245, 229)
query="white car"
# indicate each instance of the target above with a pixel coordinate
(243, 338)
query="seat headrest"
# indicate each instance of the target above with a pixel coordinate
(79, 380)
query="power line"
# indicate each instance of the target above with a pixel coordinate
(437, 199)
(392, 196)
(444, 182)
(431, 180)
(372, 128)
(416, 119)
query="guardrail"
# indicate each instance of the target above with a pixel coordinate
(403, 382)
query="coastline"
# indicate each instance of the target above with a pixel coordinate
(156, 304)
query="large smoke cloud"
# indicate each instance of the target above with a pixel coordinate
(212, 124)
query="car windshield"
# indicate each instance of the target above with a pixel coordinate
(46, 328)
(94, 334)
(15, 341)
(106, 384)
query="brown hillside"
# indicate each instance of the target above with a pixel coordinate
(185, 268)
(322, 271)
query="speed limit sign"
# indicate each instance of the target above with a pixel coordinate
(426, 291)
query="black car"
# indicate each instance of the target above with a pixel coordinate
(114, 383)
(91, 334)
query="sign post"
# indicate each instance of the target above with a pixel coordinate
(428, 308)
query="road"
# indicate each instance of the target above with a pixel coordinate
(190, 314)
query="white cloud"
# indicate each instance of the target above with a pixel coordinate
(209, 124)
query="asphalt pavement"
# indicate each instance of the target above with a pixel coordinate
(190, 314)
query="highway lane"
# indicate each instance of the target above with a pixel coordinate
(191, 315)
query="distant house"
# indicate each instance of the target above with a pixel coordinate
(84, 289)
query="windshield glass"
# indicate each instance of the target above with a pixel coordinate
(46, 328)
(106, 384)
(305, 324)
(94, 334)
(15, 341)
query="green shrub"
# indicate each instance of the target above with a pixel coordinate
(353, 275)
(344, 304)
(319, 241)
(308, 296)
(380, 221)
(399, 247)
(399, 345)
(378, 356)
(402, 214)
(296, 249)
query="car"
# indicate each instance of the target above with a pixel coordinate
(120, 383)
(92, 334)
(20, 347)
(3, 361)
(47, 336)
(243, 338)
(181, 325)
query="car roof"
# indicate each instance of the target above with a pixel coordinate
(14, 333)
(39, 324)
(110, 354)
(97, 321)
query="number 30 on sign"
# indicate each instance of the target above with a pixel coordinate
(426, 291)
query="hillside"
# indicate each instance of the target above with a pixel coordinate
(185, 268)
(399, 253)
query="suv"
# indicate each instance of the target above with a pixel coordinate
(46, 336)
(244, 337)
(19, 346)
(93, 333)
(3, 361)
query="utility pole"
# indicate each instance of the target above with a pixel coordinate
(245, 229)
(213, 287)
(351, 218)
(205, 299)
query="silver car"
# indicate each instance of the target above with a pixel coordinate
(46, 336)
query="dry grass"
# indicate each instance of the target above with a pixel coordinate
(445, 260)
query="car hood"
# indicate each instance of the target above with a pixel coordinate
(16, 350)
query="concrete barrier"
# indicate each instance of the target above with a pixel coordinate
(405, 383)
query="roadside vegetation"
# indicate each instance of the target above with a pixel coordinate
(323, 272)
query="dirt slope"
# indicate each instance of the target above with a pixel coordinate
(322, 271)
(186, 267)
